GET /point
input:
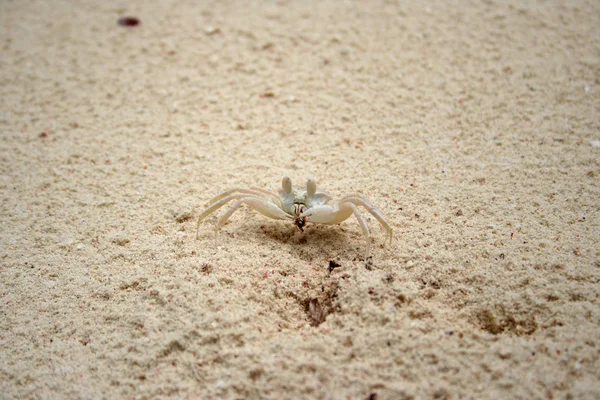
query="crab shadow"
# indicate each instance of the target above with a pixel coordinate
(314, 241)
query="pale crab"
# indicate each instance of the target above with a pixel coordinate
(300, 206)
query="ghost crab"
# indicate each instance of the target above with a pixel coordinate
(300, 206)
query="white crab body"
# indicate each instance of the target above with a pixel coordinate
(300, 206)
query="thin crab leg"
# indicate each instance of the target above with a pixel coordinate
(252, 191)
(361, 201)
(216, 205)
(363, 226)
(357, 196)
(266, 191)
(263, 206)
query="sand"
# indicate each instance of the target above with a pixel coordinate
(473, 126)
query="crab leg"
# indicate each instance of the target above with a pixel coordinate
(252, 191)
(263, 206)
(361, 201)
(363, 226)
(267, 192)
(218, 204)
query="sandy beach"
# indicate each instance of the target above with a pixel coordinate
(473, 126)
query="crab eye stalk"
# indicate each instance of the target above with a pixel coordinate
(286, 185)
(311, 188)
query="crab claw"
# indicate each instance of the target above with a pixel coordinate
(321, 214)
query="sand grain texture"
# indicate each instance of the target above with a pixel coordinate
(473, 126)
